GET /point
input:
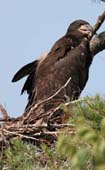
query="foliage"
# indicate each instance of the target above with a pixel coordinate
(84, 150)
(20, 156)
(87, 147)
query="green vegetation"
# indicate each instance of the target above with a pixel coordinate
(82, 150)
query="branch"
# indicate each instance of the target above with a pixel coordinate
(103, 0)
(52, 111)
(20, 135)
(33, 107)
(99, 22)
(52, 96)
(97, 44)
(4, 113)
(55, 133)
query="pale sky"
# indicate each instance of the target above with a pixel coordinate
(27, 29)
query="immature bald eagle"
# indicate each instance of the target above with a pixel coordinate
(69, 57)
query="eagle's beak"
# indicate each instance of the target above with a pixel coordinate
(86, 29)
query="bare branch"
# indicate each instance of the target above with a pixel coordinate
(33, 107)
(55, 132)
(99, 22)
(4, 112)
(52, 96)
(18, 134)
(97, 44)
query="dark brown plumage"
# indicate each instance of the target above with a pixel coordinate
(69, 57)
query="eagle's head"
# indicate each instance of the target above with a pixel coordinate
(80, 29)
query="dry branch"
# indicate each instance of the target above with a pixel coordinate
(49, 98)
(97, 43)
(4, 113)
(99, 22)
(32, 108)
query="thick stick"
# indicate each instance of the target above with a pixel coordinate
(99, 22)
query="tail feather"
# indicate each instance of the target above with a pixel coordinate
(25, 70)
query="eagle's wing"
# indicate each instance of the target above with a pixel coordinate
(27, 70)
(51, 76)
(24, 71)
(58, 52)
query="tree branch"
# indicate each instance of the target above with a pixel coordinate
(99, 22)
(97, 44)
(103, 0)
(4, 113)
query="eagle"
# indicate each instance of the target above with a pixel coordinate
(68, 59)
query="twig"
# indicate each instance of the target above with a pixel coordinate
(52, 96)
(4, 112)
(66, 104)
(43, 126)
(74, 101)
(5, 120)
(20, 135)
(53, 110)
(46, 100)
(55, 133)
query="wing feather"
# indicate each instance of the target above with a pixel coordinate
(25, 70)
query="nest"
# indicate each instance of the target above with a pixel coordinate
(42, 129)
